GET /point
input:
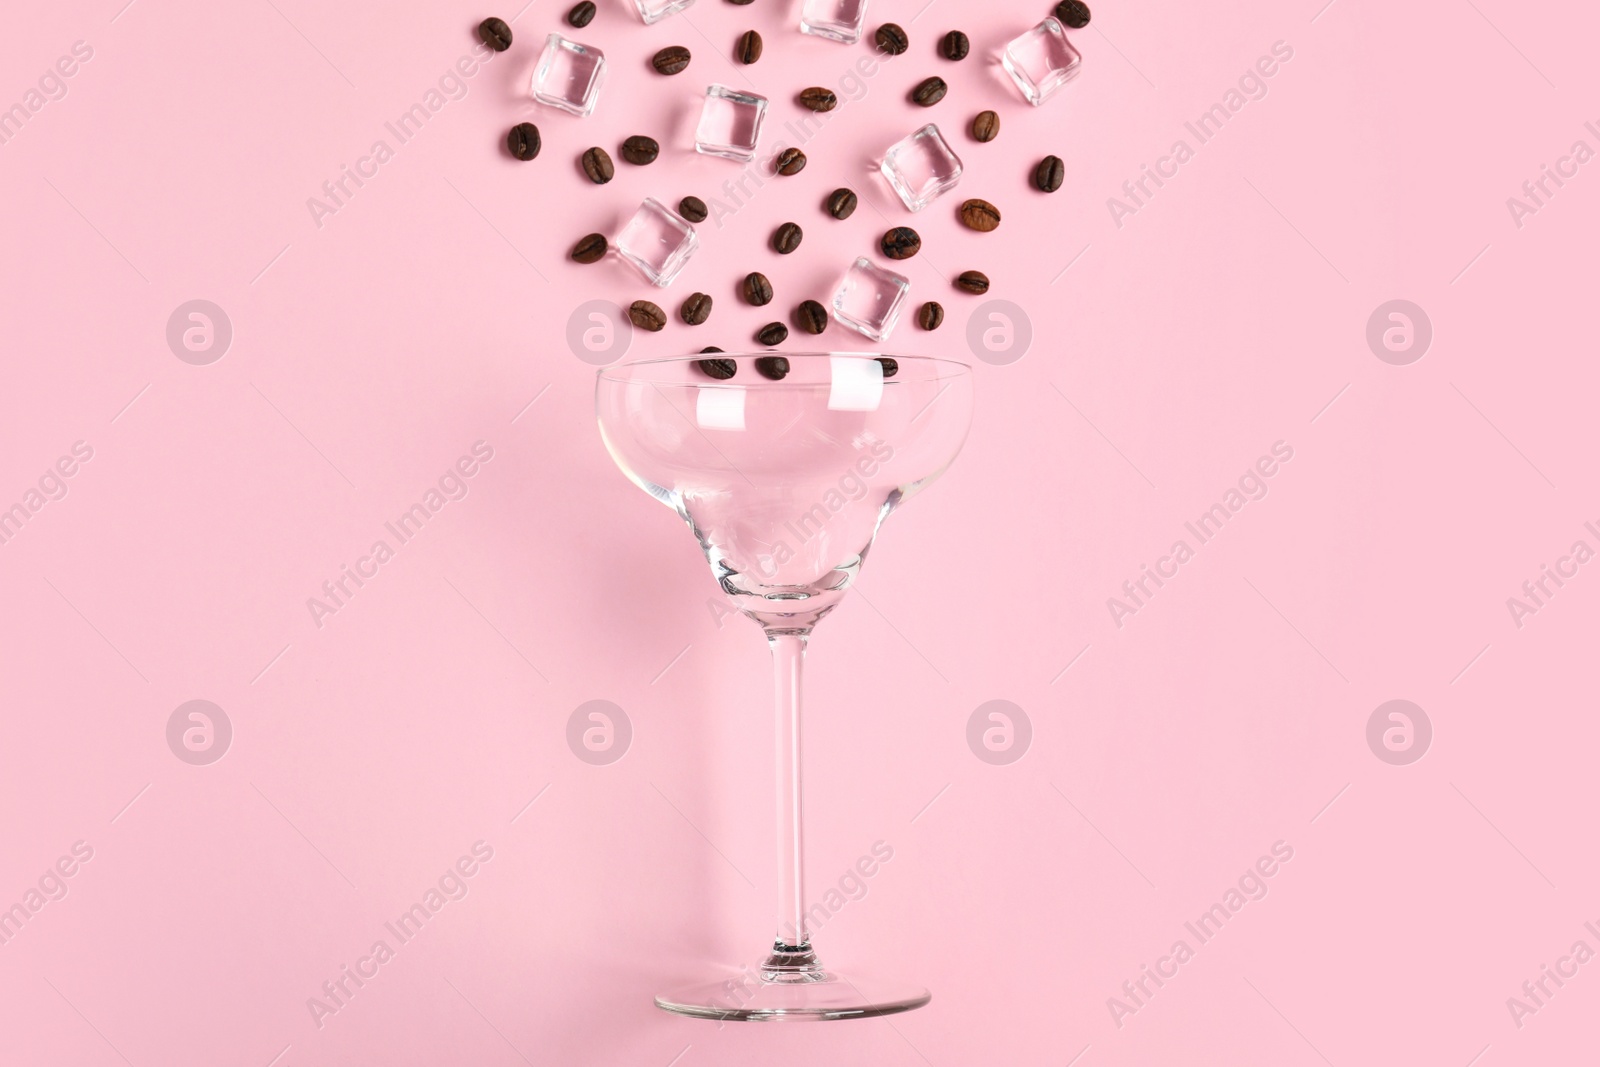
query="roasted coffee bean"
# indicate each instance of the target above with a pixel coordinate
(721, 369)
(581, 14)
(757, 290)
(695, 309)
(748, 50)
(772, 334)
(671, 60)
(590, 249)
(818, 99)
(1074, 13)
(790, 161)
(647, 316)
(841, 203)
(1047, 175)
(495, 33)
(640, 150)
(741, 3)
(892, 39)
(597, 166)
(955, 45)
(774, 367)
(980, 215)
(902, 242)
(523, 141)
(811, 316)
(930, 316)
(973, 281)
(985, 126)
(890, 366)
(786, 238)
(709, 348)
(693, 208)
(929, 92)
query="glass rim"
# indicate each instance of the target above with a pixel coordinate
(942, 369)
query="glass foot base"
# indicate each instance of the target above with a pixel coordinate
(778, 992)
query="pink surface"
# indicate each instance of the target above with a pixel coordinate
(373, 747)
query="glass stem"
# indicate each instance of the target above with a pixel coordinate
(788, 657)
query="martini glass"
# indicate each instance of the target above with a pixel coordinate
(784, 470)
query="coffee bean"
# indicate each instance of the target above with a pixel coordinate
(811, 316)
(955, 45)
(671, 60)
(597, 166)
(581, 14)
(721, 369)
(709, 348)
(647, 316)
(818, 99)
(495, 33)
(640, 150)
(757, 290)
(902, 242)
(1074, 13)
(693, 208)
(786, 238)
(973, 281)
(980, 215)
(929, 92)
(892, 39)
(774, 367)
(741, 3)
(841, 203)
(590, 249)
(931, 315)
(696, 308)
(790, 161)
(772, 334)
(1047, 175)
(748, 50)
(523, 141)
(890, 366)
(985, 126)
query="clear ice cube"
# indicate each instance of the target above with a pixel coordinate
(730, 123)
(837, 20)
(655, 10)
(921, 168)
(1041, 61)
(657, 241)
(868, 299)
(568, 75)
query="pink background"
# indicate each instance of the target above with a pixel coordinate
(1230, 713)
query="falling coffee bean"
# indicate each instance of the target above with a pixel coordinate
(495, 33)
(757, 290)
(695, 309)
(841, 203)
(811, 316)
(647, 316)
(581, 14)
(640, 150)
(693, 208)
(955, 45)
(790, 161)
(709, 348)
(671, 60)
(892, 39)
(986, 126)
(1074, 13)
(721, 369)
(597, 166)
(973, 281)
(523, 141)
(772, 334)
(931, 315)
(890, 365)
(774, 367)
(902, 242)
(1047, 175)
(749, 47)
(929, 92)
(786, 238)
(818, 99)
(980, 215)
(590, 249)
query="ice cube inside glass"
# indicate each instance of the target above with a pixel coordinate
(652, 11)
(1041, 61)
(837, 20)
(869, 298)
(657, 241)
(921, 168)
(730, 123)
(568, 75)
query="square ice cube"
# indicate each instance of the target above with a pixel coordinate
(1041, 61)
(568, 75)
(921, 168)
(730, 123)
(657, 241)
(868, 299)
(837, 20)
(656, 10)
